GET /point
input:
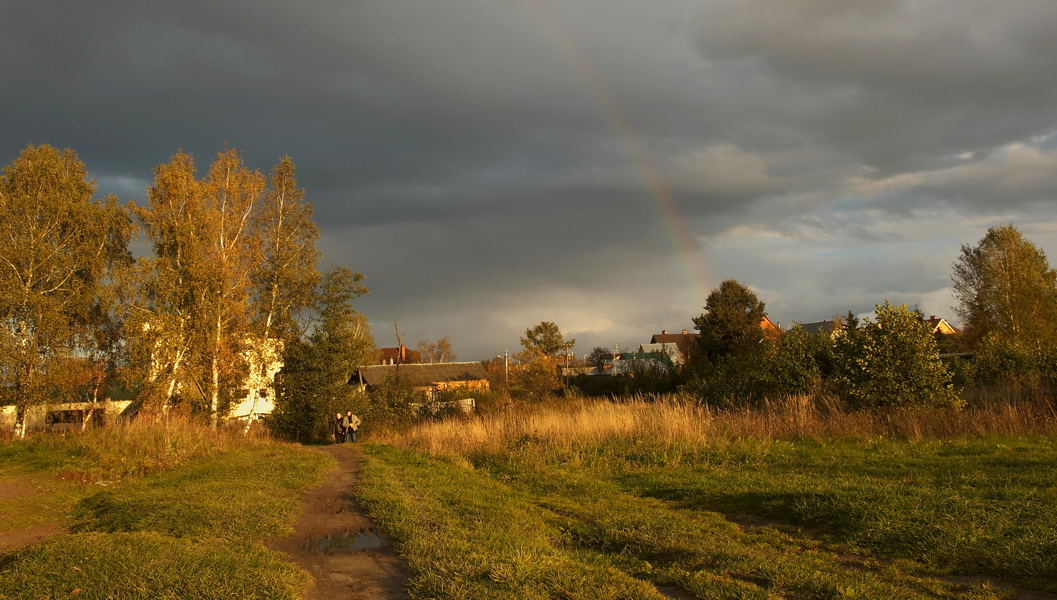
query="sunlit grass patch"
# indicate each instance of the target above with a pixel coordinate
(468, 536)
(148, 565)
(52, 472)
(705, 552)
(188, 524)
(851, 504)
(250, 494)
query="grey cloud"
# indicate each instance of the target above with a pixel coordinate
(487, 163)
(905, 80)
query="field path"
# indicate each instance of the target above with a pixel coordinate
(333, 539)
(13, 539)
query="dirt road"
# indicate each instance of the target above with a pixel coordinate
(335, 541)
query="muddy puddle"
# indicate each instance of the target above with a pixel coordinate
(352, 541)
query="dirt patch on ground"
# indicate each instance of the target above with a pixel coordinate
(12, 489)
(12, 539)
(18, 538)
(333, 539)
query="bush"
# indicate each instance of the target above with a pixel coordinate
(892, 363)
(793, 365)
(790, 365)
(730, 379)
(536, 378)
(389, 404)
(1001, 362)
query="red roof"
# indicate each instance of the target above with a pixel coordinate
(683, 341)
(398, 356)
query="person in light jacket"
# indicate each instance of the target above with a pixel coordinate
(352, 424)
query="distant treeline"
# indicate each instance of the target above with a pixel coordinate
(1007, 304)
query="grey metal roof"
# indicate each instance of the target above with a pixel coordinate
(819, 326)
(423, 374)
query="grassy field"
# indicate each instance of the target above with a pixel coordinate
(153, 511)
(661, 499)
(648, 498)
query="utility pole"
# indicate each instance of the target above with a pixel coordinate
(399, 344)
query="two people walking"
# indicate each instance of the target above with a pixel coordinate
(344, 427)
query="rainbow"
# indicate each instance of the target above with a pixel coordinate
(685, 244)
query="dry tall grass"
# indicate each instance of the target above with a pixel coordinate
(144, 446)
(675, 420)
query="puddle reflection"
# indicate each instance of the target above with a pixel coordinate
(353, 541)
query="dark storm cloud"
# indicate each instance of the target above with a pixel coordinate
(901, 81)
(492, 164)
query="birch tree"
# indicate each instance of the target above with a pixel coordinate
(285, 282)
(439, 351)
(1006, 288)
(232, 191)
(193, 320)
(173, 284)
(58, 251)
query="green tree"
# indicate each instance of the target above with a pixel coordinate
(59, 249)
(891, 363)
(731, 321)
(536, 375)
(314, 382)
(341, 331)
(1006, 289)
(297, 414)
(546, 339)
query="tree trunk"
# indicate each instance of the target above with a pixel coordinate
(214, 394)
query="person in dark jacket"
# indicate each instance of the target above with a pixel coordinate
(338, 429)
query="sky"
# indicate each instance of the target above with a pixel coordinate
(601, 164)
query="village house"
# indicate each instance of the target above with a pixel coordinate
(682, 342)
(256, 398)
(937, 326)
(685, 341)
(941, 326)
(430, 380)
(823, 326)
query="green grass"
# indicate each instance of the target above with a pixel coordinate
(54, 472)
(466, 535)
(148, 565)
(246, 495)
(969, 506)
(735, 518)
(189, 527)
